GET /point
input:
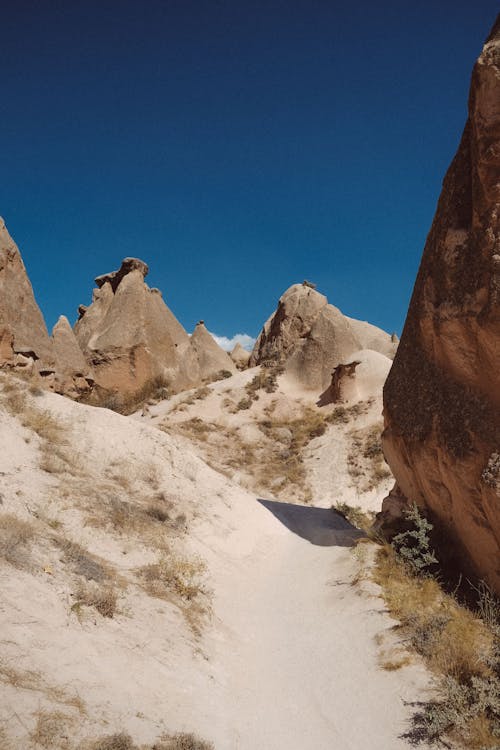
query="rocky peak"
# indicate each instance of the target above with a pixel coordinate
(24, 338)
(115, 277)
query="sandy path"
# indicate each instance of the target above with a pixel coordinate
(297, 644)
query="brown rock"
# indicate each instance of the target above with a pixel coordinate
(442, 396)
(128, 334)
(306, 335)
(24, 340)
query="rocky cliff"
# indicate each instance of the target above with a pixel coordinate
(442, 397)
(24, 340)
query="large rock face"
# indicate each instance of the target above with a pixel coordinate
(24, 340)
(442, 397)
(128, 334)
(310, 337)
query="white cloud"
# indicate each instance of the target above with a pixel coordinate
(228, 344)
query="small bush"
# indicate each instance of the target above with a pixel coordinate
(50, 727)
(358, 517)
(119, 741)
(84, 564)
(182, 742)
(414, 545)
(174, 574)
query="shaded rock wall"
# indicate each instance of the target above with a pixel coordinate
(442, 396)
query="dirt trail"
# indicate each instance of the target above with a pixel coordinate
(296, 641)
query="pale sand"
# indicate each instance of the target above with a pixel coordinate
(288, 660)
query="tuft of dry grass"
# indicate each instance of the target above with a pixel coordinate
(174, 574)
(123, 741)
(362, 519)
(120, 741)
(24, 679)
(16, 537)
(102, 597)
(51, 729)
(365, 461)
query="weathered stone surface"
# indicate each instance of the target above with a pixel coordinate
(442, 397)
(24, 340)
(128, 334)
(210, 359)
(307, 335)
(371, 337)
(240, 357)
(74, 376)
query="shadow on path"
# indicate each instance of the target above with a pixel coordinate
(320, 526)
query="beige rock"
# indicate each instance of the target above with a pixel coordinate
(74, 376)
(210, 358)
(24, 340)
(128, 334)
(307, 335)
(240, 357)
(371, 337)
(442, 396)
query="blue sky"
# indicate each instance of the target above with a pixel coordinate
(236, 147)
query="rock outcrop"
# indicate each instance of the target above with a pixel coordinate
(306, 335)
(371, 337)
(240, 357)
(129, 336)
(442, 397)
(209, 359)
(24, 339)
(74, 377)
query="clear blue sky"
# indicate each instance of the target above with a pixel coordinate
(236, 146)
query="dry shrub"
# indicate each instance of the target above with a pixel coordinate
(174, 574)
(119, 741)
(182, 741)
(195, 427)
(50, 730)
(461, 649)
(16, 537)
(154, 390)
(365, 460)
(29, 680)
(362, 519)
(102, 598)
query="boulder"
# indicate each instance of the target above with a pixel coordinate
(442, 396)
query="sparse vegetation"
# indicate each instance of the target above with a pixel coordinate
(51, 729)
(174, 574)
(16, 536)
(459, 645)
(83, 563)
(154, 390)
(365, 461)
(362, 519)
(102, 597)
(123, 741)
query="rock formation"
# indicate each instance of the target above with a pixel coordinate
(307, 335)
(371, 337)
(210, 359)
(240, 357)
(24, 340)
(74, 377)
(128, 334)
(442, 396)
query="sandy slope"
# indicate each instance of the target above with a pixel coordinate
(287, 660)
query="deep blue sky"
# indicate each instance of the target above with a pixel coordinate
(236, 146)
